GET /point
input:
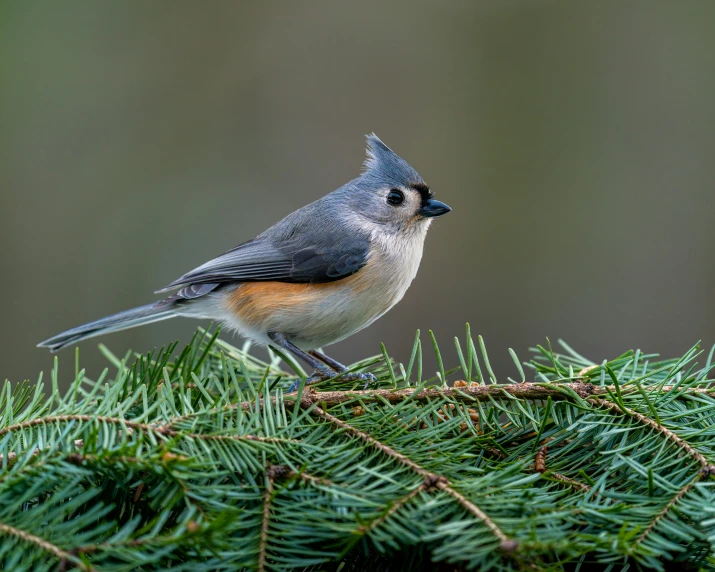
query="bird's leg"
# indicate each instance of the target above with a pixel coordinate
(325, 367)
(322, 371)
(340, 368)
(330, 362)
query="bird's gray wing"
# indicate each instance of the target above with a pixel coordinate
(324, 259)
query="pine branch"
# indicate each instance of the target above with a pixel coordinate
(475, 392)
(201, 460)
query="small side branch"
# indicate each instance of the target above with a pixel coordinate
(431, 480)
(163, 430)
(706, 466)
(653, 523)
(506, 543)
(201, 436)
(567, 481)
(389, 451)
(12, 456)
(272, 473)
(393, 508)
(47, 546)
(145, 428)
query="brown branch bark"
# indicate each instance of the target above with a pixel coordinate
(468, 394)
(528, 391)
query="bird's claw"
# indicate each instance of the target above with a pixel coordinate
(294, 386)
(317, 376)
(314, 378)
(368, 378)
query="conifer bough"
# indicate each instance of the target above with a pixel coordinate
(201, 461)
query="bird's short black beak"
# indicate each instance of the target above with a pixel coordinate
(431, 208)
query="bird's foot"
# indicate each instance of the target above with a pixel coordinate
(314, 378)
(368, 378)
(317, 376)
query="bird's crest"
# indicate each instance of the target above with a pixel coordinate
(384, 164)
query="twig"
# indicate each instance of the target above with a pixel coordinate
(161, 430)
(706, 466)
(67, 418)
(191, 527)
(528, 391)
(258, 438)
(387, 450)
(431, 479)
(12, 456)
(273, 472)
(566, 480)
(47, 546)
(653, 523)
(393, 508)
(468, 394)
(507, 543)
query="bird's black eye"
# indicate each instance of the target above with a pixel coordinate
(395, 197)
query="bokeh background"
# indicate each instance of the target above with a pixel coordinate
(575, 142)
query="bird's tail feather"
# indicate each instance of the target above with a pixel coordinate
(123, 320)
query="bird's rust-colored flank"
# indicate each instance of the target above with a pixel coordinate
(254, 302)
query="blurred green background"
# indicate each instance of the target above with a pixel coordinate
(575, 142)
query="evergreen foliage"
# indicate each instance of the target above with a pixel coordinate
(200, 461)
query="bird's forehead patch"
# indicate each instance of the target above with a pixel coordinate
(424, 191)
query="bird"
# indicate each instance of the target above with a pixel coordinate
(318, 276)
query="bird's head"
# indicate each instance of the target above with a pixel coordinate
(391, 193)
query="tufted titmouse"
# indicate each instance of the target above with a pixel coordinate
(318, 276)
